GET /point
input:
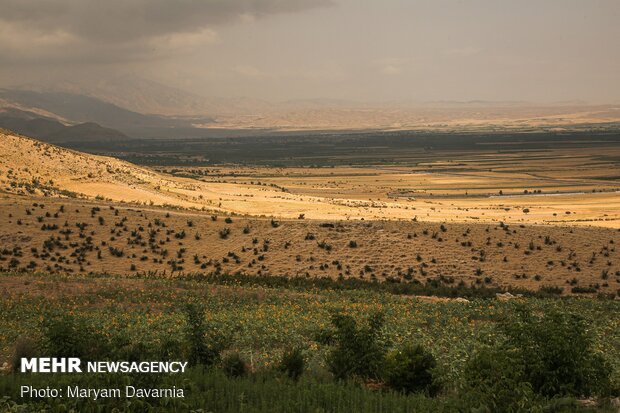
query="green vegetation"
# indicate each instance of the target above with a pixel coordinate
(410, 370)
(277, 349)
(318, 150)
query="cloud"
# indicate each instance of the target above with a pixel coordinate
(143, 28)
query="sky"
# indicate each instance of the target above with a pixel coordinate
(356, 50)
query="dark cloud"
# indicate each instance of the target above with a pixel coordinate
(34, 28)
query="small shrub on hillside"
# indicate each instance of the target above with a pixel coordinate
(224, 232)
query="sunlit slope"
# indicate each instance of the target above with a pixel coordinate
(30, 167)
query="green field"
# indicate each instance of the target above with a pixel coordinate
(144, 319)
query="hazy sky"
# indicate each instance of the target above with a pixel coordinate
(370, 50)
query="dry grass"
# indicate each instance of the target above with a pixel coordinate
(480, 254)
(442, 220)
(465, 190)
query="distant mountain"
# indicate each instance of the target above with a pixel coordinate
(70, 108)
(20, 122)
(88, 131)
(146, 96)
(50, 130)
(80, 108)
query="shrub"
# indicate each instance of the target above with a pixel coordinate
(410, 370)
(358, 351)
(551, 290)
(24, 347)
(169, 348)
(293, 363)
(71, 336)
(324, 245)
(201, 350)
(557, 353)
(233, 365)
(583, 290)
(224, 232)
(493, 382)
(543, 357)
(135, 351)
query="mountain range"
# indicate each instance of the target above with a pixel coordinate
(104, 110)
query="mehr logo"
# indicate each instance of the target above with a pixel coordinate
(51, 365)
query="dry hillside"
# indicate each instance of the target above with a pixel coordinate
(69, 212)
(29, 167)
(76, 236)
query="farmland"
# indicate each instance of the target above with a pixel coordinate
(263, 322)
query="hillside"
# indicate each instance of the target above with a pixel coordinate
(37, 127)
(76, 108)
(52, 130)
(453, 242)
(28, 166)
(88, 131)
(31, 167)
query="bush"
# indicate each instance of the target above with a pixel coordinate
(135, 351)
(233, 365)
(410, 370)
(293, 363)
(224, 232)
(557, 353)
(358, 351)
(493, 382)
(70, 336)
(24, 347)
(544, 357)
(201, 350)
